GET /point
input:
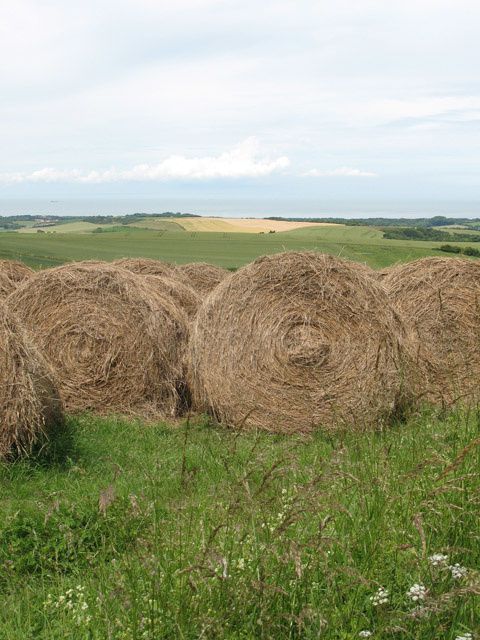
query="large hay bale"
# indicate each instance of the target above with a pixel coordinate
(203, 277)
(296, 341)
(439, 298)
(116, 343)
(29, 403)
(12, 273)
(145, 266)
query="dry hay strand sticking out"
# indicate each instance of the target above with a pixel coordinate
(381, 274)
(116, 343)
(145, 266)
(12, 273)
(296, 341)
(183, 295)
(6, 286)
(30, 408)
(15, 270)
(203, 277)
(439, 298)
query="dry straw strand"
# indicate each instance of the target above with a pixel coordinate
(145, 266)
(201, 276)
(116, 343)
(439, 298)
(12, 273)
(30, 408)
(6, 286)
(183, 295)
(296, 341)
(381, 274)
(15, 270)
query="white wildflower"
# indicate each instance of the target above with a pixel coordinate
(438, 560)
(458, 572)
(465, 636)
(73, 603)
(365, 633)
(417, 592)
(379, 598)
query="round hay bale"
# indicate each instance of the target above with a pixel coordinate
(183, 295)
(296, 341)
(201, 276)
(116, 343)
(145, 266)
(439, 298)
(12, 273)
(29, 402)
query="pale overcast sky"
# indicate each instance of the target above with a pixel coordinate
(339, 99)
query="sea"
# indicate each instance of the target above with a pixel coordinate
(236, 208)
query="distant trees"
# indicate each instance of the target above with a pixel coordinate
(466, 251)
(450, 248)
(428, 233)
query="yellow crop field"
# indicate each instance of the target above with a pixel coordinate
(243, 225)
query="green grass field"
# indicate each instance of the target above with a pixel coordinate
(363, 244)
(128, 531)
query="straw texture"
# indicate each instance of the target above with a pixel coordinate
(30, 407)
(201, 276)
(116, 343)
(296, 341)
(439, 298)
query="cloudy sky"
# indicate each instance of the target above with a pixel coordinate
(349, 99)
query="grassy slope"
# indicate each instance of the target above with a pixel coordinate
(204, 533)
(226, 249)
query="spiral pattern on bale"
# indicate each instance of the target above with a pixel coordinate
(30, 408)
(116, 343)
(298, 341)
(439, 299)
(201, 276)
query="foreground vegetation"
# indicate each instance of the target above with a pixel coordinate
(126, 530)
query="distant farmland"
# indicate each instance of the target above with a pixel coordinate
(77, 241)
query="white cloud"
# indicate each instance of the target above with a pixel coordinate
(348, 172)
(243, 161)
(363, 83)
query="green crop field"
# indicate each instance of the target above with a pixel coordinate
(132, 531)
(364, 244)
